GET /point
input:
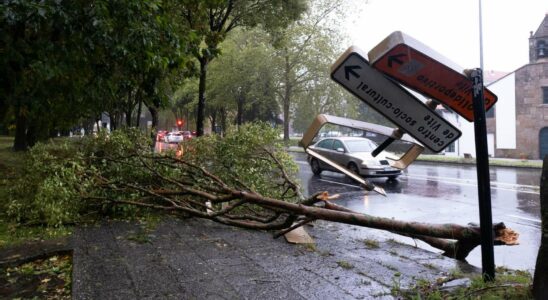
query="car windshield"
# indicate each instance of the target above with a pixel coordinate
(360, 145)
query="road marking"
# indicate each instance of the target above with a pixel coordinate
(527, 219)
(534, 187)
(469, 183)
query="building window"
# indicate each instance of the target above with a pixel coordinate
(450, 148)
(545, 94)
(542, 50)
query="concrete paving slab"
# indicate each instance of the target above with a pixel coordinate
(200, 259)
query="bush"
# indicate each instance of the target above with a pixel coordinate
(66, 180)
(48, 192)
(242, 156)
(58, 174)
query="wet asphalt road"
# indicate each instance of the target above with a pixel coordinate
(437, 193)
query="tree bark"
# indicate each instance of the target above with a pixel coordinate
(129, 109)
(201, 194)
(201, 96)
(287, 99)
(154, 114)
(240, 111)
(540, 282)
(20, 142)
(32, 133)
(222, 116)
(139, 109)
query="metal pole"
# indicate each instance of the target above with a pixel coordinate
(481, 35)
(484, 182)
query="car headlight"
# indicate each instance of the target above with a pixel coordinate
(371, 163)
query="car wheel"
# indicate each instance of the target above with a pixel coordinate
(315, 165)
(353, 168)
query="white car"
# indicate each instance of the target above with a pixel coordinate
(353, 153)
(173, 137)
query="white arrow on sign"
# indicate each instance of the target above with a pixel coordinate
(353, 72)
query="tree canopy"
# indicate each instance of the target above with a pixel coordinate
(67, 63)
(210, 22)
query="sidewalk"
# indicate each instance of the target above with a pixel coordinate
(200, 259)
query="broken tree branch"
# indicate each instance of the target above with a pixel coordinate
(179, 186)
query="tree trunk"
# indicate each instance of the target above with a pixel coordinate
(286, 99)
(222, 116)
(20, 143)
(139, 109)
(240, 111)
(113, 120)
(196, 187)
(154, 114)
(32, 133)
(201, 96)
(540, 282)
(128, 117)
(129, 109)
(213, 120)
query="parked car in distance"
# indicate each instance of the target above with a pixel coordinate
(353, 153)
(187, 135)
(160, 135)
(173, 137)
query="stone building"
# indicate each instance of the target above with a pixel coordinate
(519, 121)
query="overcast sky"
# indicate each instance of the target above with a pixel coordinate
(451, 27)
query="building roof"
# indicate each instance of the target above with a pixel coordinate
(542, 30)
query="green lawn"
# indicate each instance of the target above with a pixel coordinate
(9, 160)
(11, 166)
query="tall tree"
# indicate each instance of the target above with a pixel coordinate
(211, 20)
(42, 70)
(304, 52)
(242, 79)
(67, 61)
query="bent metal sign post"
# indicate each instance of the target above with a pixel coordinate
(422, 69)
(353, 72)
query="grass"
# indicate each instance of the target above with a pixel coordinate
(345, 265)
(10, 161)
(11, 233)
(371, 244)
(508, 284)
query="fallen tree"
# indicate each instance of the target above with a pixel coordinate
(184, 186)
(245, 179)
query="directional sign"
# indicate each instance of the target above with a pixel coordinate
(353, 72)
(422, 69)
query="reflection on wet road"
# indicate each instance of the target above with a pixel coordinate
(437, 193)
(160, 147)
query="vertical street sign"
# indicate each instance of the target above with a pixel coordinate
(484, 183)
(428, 72)
(353, 72)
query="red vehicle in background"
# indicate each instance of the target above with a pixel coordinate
(187, 135)
(160, 135)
